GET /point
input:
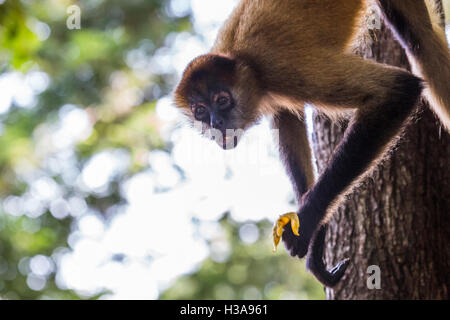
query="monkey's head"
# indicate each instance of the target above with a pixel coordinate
(220, 96)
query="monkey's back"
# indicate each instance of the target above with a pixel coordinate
(295, 24)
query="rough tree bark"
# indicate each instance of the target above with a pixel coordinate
(399, 217)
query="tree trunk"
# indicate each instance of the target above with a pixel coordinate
(399, 218)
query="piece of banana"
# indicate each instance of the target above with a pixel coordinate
(281, 222)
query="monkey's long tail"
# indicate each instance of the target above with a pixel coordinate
(419, 25)
(315, 263)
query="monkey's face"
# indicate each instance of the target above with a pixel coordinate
(219, 96)
(216, 115)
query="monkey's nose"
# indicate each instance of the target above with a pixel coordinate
(217, 123)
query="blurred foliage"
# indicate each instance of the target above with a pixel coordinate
(39, 194)
(251, 272)
(81, 64)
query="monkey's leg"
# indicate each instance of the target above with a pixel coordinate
(423, 38)
(384, 97)
(295, 151)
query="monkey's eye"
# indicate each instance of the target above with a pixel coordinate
(222, 101)
(200, 113)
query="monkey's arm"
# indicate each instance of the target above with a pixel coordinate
(383, 96)
(296, 154)
(294, 150)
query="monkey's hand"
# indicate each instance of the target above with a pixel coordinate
(297, 245)
(282, 221)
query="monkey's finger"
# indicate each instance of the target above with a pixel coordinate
(340, 267)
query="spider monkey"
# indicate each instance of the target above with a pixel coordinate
(271, 57)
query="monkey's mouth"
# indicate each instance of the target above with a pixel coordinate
(230, 142)
(225, 141)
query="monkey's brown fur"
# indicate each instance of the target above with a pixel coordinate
(273, 56)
